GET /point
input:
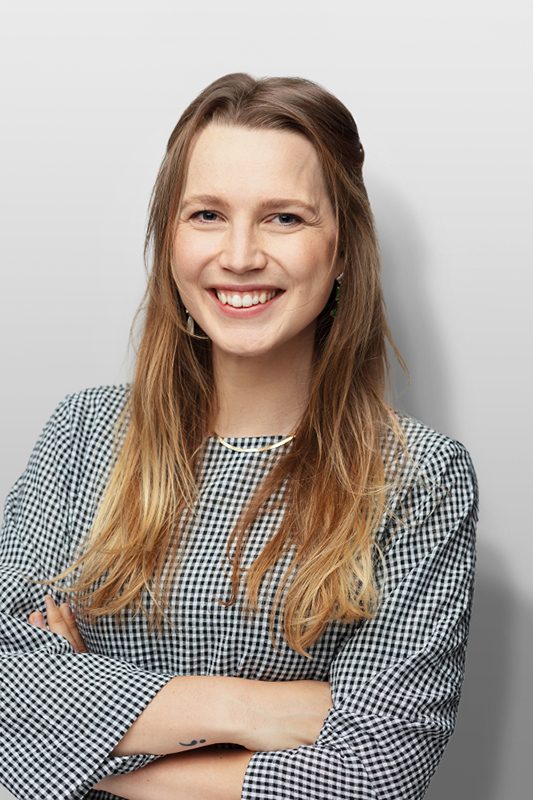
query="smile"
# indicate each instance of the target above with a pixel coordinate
(245, 299)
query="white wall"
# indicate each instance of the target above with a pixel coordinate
(441, 93)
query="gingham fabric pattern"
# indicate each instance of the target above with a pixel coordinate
(395, 680)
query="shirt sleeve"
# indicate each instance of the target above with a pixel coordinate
(396, 682)
(62, 712)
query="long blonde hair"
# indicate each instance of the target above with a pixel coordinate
(332, 477)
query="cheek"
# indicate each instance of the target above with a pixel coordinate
(192, 246)
(186, 256)
(316, 273)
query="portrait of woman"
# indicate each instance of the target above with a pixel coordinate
(243, 574)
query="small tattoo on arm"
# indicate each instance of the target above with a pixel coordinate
(190, 744)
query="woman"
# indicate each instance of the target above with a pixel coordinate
(276, 559)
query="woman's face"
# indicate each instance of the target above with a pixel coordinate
(255, 240)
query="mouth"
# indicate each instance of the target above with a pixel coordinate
(246, 299)
(249, 297)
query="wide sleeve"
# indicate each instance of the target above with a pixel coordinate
(396, 682)
(62, 712)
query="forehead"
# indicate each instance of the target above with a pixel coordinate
(247, 162)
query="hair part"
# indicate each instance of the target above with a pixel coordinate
(332, 477)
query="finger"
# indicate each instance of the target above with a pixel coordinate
(36, 618)
(70, 620)
(55, 620)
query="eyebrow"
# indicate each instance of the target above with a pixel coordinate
(275, 203)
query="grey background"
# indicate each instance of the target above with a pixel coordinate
(441, 93)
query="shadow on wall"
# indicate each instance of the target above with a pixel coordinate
(473, 762)
(410, 308)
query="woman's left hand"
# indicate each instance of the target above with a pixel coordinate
(60, 620)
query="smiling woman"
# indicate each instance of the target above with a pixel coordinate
(255, 271)
(258, 549)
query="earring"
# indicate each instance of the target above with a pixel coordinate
(190, 323)
(333, 311)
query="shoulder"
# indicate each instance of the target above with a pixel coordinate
(107, 400)
(83, 423)
(53, 502)
(91, 409)
(431, 454)
(433, 504)
(431, 476)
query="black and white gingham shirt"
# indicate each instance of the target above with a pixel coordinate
(395, 680)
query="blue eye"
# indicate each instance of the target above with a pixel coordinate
(206, 216)
(288, 219)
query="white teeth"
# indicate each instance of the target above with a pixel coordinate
(246, 300)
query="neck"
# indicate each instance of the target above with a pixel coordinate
(261, 395)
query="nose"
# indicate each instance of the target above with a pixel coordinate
(241, 250)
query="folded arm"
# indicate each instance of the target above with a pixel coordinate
(200, 710)
(190, 713)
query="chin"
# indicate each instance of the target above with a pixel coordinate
(246, 352)
(245, 348)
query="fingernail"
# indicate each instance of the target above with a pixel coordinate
(67, 609)
(49, 603)
(38, 619)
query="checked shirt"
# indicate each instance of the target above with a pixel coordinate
(395, 679)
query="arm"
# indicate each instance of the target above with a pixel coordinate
(206, 774)
(199, 710)
(62, 712)
(195, 711)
